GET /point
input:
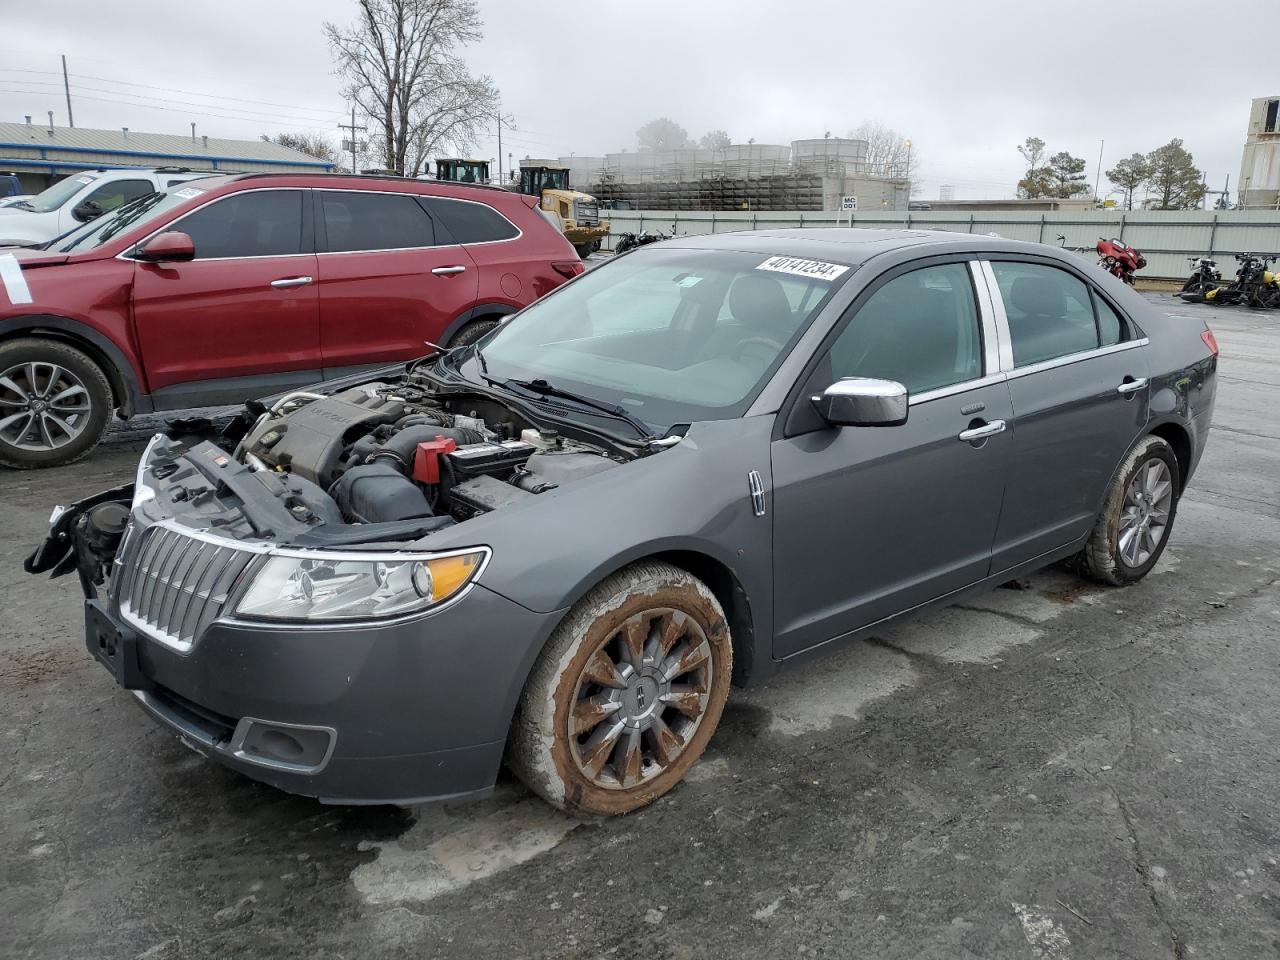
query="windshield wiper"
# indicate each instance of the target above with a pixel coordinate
(540, 386)
(126, 214)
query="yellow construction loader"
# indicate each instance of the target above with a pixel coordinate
(577, 214)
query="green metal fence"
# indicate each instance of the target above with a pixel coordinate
(1165, 237)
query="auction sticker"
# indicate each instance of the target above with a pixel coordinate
(814, 269)
(187, 193)
(11, 278)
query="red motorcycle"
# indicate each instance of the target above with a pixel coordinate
(1119, 259)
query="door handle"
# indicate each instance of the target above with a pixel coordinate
(982, 432)
(290, 282)
(1132, 386)
(448, 271)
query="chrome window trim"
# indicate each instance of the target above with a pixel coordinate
(953, 388)
(1004, 337)
(122, 255)
(1071, 358)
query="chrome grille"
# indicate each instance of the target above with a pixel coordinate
(175, 585)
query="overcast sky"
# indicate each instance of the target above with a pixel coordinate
(965, 81)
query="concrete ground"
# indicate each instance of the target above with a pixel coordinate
(1062, 771)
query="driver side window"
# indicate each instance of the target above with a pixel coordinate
(920, 329)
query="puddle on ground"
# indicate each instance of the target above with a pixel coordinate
(446, 850)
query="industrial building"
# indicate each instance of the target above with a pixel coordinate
(806, 175)
(42, 153)
(1260, 163)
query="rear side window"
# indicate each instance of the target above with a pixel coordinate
(375, 221)
(471, 222)
(1050, 312)
(260, 223)
(920, 329)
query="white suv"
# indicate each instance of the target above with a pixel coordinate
(80, 198)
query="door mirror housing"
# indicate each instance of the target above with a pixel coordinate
(863, 402)
(170, 245)
(86, 210)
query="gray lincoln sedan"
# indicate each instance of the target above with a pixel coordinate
(561, 545)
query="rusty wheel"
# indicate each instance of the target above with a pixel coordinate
(627, 693)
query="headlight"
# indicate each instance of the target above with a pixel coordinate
(320, 586)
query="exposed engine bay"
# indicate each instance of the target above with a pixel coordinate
(379, 461)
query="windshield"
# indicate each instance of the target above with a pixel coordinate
(135, 213)
(672, 336)
(62, 191)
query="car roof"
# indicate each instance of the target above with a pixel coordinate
(853, 246)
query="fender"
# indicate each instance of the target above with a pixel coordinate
(493, 308)
(125, 380)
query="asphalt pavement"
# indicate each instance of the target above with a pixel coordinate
(1053, 772)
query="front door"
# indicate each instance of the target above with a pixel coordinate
(871, 521)
(390, 279)
(1079, 392)
(241, 319)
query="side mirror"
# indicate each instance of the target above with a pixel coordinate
(86, 211)
(863, 402)
(170, 245)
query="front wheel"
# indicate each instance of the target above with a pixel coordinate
(472, 332)
(627, 693)
(55, 403)
(1131, 532)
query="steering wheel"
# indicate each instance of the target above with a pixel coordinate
(740, 348)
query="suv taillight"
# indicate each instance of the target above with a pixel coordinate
(568, 268)
(1210, 341)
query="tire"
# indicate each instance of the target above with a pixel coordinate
(583, 250)
(611, 765)
(69, 404)
(1110, 556)
(472, 332)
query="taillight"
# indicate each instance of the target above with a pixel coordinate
(568, 268)
(1210, 341)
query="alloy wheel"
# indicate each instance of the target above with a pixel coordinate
(43, 406)
(640, 698)
(1144, 515)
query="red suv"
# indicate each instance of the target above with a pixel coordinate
(237, 287)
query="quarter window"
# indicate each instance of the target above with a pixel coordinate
(375, 221)
(260, 223)
(1110, 326)
(920, 329)
(1050, 312)
(471, 222)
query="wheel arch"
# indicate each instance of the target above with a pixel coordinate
(493, 310)
(1177, 436)
(126, 393)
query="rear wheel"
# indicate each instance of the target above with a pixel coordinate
(55, 403)
(472, 332)
(627, 693)
(1133, 528)
(586, 249)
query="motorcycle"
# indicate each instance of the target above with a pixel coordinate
(1204, 283)
(1256, 284)
(1119, 259)
(629, 241)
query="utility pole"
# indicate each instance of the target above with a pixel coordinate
(1097, 180)
(908, 176)
(351, 129)
(66, 86)
(500, 146)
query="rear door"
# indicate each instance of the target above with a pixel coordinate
(1078, 383)
(241, 319)
(390, 279)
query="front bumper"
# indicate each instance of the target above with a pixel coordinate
(402, 712)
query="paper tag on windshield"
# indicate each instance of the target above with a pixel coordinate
(84, 179)
(186, 193)
(814, 269)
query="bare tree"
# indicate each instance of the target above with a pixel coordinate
(312, 144)
(1037, 181)
(662, 134)
(887, 149)
(402, 65)
(714, 140)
